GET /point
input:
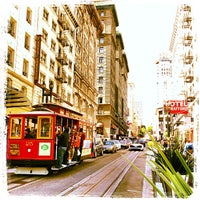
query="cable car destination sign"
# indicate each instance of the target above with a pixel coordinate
(178, 106)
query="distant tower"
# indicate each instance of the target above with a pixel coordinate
(164, 78)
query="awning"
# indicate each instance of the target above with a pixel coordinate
(99, 124)
(15, 98)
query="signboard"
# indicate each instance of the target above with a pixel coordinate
(178, 106)
(44, 148)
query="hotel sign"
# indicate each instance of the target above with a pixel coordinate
(178, 106)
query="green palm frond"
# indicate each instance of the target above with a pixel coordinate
(160, 164)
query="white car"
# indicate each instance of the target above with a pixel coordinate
(136, 147)
(117, 143)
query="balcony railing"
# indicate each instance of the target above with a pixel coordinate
(190, 97)
(187, 8)
(187, 22)
(188, 58)
(189, 76)
(62, 58)
(187, 40)
(63, 39)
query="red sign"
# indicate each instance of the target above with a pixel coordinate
(178, 106)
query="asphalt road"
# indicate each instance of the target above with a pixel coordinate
(131, 185)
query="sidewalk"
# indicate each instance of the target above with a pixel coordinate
(147, 191)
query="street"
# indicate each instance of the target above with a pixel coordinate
(105, 176)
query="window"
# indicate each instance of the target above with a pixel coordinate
(53, 45)
(100, 59)
(69, 81)
(16, 128)
(100, 80)
(25, 68)
(70, 48)
(100, 90)
(44, 35)
(54, 26)
(100, 111)
(27, 41)
(42, 78)
(100, 100)
(52, 65)
(102, 13)
(70, 64)
(101, 70)
(45, 14)
(12, 27)
(44, 127)
(101, 41)
(28, 15)
(101, 49)
(43, 57)
(10, 57)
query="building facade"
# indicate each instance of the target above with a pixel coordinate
(112, 75)
(87, 37)
(164, 90)
(55, 55)
(185, 72)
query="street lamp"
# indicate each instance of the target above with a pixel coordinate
(51, 89)
(47, 93)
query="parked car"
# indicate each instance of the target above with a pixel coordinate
(125, 143)
(136, 147)
(117, 143)
(97, 147)
(109, 146)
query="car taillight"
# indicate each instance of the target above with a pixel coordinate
(14, 150)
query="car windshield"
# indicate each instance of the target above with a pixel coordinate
(122, 141)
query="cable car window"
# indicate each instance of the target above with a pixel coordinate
(44, 127)
(30, 127)
(16, 128)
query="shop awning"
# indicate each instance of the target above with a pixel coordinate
(15, 98)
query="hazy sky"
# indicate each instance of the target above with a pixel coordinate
(146, 27)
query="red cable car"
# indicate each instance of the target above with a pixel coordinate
(35, 152)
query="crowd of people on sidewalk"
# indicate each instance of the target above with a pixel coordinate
(69, 146)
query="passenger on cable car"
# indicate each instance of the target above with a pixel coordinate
(28, 133)
(72, 145)
(82, 135)
(77, 146)
(63, 143)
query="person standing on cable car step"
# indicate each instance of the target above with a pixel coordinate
(63, 143)
(82, 135)
(71, 145)
(77, 141)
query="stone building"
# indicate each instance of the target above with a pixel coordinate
(185, 73)
(41, 61)
(87, 37)
(70, 55)
(112, 75)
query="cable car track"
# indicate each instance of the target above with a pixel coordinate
(103, 182)
(18, 182)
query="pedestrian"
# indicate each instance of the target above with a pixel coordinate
(63, 143)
